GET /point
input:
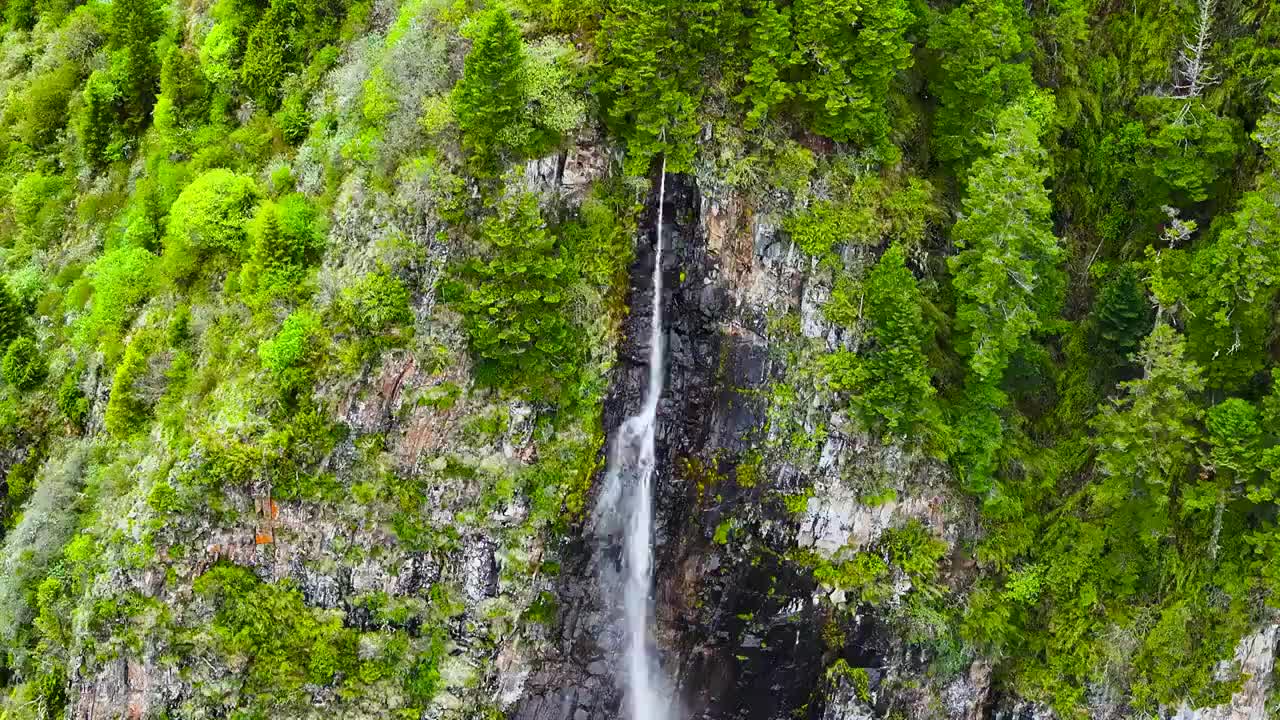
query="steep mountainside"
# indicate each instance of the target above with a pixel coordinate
(317, 318)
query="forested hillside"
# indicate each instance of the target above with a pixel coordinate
(316, 317)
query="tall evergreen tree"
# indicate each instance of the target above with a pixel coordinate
(852, 51)
(979, 46)
(1006, 275)
(133, 28)
(490, 97)
(10, 316)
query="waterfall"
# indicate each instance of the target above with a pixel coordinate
(626, 505)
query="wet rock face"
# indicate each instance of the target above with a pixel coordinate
(737, 627)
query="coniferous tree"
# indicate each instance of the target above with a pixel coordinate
(1005, 276)
(133, 29)
(182, 80)
(1147, 439)
(652, 88)
(978, 44)
(891, 384)
(98, 118)
(10, 316)
(852, 51)
(1122, 315)
(490, 97)
(268, 54)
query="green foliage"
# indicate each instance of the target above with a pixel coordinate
(649, 51)
(291, 354)
(129, 405)
(1188, 147)
(23, 366)
(512, 297)
(72, 402)
(890, 385)
(378, 306)
(288, 644)
(133, 29)
(122, 280)
(209, 218)
(101, 99)
(1122, 315)
(1005, 276)
(978, 45)
(267, 56)
(44, 106)
(490, 97)
(851, 53)
(12, 319)
(283, 240)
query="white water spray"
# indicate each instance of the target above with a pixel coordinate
(626, 504)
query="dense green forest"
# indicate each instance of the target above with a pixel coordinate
(1053, 228)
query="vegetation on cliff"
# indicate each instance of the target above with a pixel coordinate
(300, 251)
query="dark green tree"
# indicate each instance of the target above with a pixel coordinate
(1122, 316)
(979, 46)
(98, 117)
(891, 384)
(852, 51)
(133, 28)
(22, 365)
(652, 55)
(11, 316)
(182, 80)
(269, 53)
(490, 97)
(512, 299)
(770, 52)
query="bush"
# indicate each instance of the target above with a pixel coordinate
(23, 366)
(378, 305)
(72, 401)
(290, 354)
(128, 407)
(210, 216)
(122, 280)
(44, 106)
(283, 240)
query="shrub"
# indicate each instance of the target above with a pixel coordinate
(378, 304)
(37, 195)
(128, 407)
(44, 106)
(11, 316)
(210, 216)
(71, 399)
(288, 644)
(289, 355)
(22, 366)
(283, 240)
(122, 280)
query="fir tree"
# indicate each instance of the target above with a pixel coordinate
(11, 317)
(1005, 276)
(268, 54)
(1122, 315)
(979, 45)
(490, 97)
(133, 29)
(98, 118)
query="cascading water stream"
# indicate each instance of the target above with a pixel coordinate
(626, 504)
